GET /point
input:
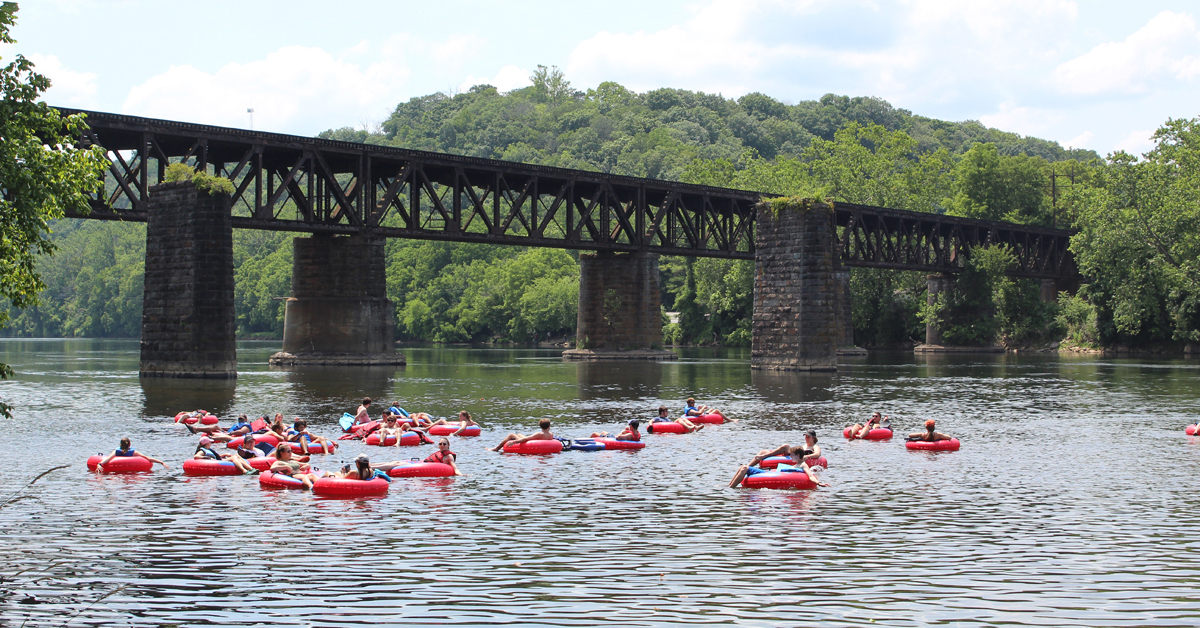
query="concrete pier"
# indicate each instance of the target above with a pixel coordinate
(188, 322)
(620, 316)
(339, 312)
(796, 292)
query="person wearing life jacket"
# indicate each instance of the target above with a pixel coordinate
(444, 455)
(663, 418)
(204, 451)
(876, 420)
(796, 453)
(126, 451)
(286, 464)
(299, 434)
(929, 434)
(517, 439)
(464, 421)
(248, 449)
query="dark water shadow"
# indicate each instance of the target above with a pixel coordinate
(167, 397)
(793, 386)
(619, 379)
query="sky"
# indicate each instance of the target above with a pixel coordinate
(1099, 74)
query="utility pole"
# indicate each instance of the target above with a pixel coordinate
(1054, 191)
(250, 111)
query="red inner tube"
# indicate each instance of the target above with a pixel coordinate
(261, 463)
(270, 479)
(666, 428)
(121, 464)
(937, 445)
(409, 439)
(775, 461)
(447, 430)
(345, 487)
(209, 419)
(313, 448)
(612, 443)
(269, 439)
(714, 419)
(551, 446)
(1190, 430)
(780, 479)
(422, 470)
(199, 466)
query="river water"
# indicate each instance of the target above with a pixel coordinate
(1071, 503)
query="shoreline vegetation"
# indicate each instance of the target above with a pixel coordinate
(1138, 244)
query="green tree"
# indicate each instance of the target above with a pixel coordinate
(992, 186)
(1139, 242)
(42, 173)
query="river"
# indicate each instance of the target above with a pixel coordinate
(1071, 503)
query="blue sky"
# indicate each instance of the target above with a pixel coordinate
(1100, 75)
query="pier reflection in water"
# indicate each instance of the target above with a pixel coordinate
(1046, 516)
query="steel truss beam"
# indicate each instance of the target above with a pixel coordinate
(304, 184)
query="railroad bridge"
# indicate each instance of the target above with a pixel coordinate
(350, 197)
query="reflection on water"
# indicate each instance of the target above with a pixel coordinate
(166, 397)
(1046, 516)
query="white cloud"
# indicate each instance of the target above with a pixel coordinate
(67, 87)
(295, 89)
(1166, 48)
(1137, 142)
(1024, 120)
(918, 51)
(509, 77)
(1083, 140)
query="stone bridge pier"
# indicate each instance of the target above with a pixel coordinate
(339, 312)
(620, 313)
(187, 310)
(798, 299)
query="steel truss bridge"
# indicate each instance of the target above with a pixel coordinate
(305, 184)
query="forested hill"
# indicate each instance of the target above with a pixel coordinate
(657, 134)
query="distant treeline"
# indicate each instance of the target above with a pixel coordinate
(1137, 246)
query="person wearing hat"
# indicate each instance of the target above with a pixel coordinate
(929, 434)
(204, 451)
(361, 469)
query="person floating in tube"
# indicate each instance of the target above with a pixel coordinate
(629, 433)
(876, 421)
(796, 453)
(812, 451)
(517, 439)
(126, 451)
(929, 435)
(692, 410)
(464, 421)
(663, 418)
